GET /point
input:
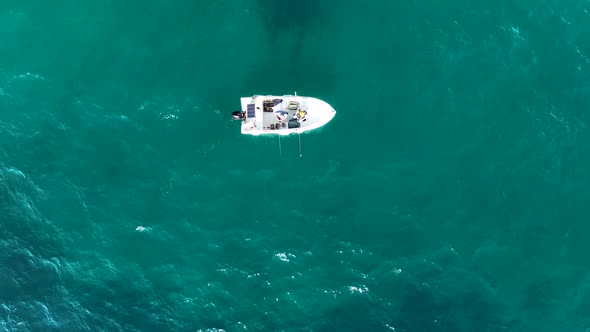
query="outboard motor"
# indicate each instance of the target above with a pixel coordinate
(238, 115)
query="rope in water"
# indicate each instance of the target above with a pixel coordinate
(299, 134)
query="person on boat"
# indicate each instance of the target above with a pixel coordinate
(301, 115)
(281, 116)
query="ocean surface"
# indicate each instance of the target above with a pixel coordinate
(449, 193)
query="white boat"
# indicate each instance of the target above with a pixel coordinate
(282, 115)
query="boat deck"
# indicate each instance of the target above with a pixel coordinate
(270, 122)
(259, 120)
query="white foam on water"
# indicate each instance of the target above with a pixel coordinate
(359, 290)
(142, 228)
(29, 76)
(285, 257)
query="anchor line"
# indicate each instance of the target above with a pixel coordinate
(299, 134)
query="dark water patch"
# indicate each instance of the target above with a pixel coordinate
(26, 275)
(291, 14)
(291, 21)
(339, 317)
(129, 52)
(19, 198)
(318, 75)
(33, 259)
(425, 296)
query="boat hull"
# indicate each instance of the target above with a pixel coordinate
(283, 115)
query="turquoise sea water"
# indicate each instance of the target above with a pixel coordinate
(449, 193)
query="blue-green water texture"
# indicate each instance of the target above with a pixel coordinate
(449, 193)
